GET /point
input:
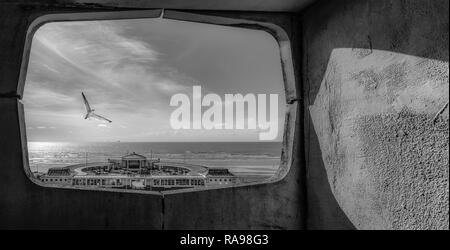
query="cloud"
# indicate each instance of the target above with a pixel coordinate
(99, 55)
(48, 99)
(128, 70)
(94, 43)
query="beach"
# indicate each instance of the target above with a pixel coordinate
(248, 160)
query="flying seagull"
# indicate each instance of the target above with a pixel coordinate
(90, 112)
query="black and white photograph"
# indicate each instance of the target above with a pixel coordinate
(218, 119)
(153, 104)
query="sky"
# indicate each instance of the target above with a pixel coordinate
(130, 69)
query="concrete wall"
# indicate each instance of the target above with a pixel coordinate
(376, 88)
(24, 204)
(374, 75)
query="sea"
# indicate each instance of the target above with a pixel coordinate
(245, 159)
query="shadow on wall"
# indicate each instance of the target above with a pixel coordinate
(376, 85)
(324, 211)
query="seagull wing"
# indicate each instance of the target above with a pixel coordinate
(86, 103)
(100, 117)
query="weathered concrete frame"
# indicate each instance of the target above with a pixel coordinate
(287, 154)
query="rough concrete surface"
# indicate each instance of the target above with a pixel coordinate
(376, 77)
(408, 154)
